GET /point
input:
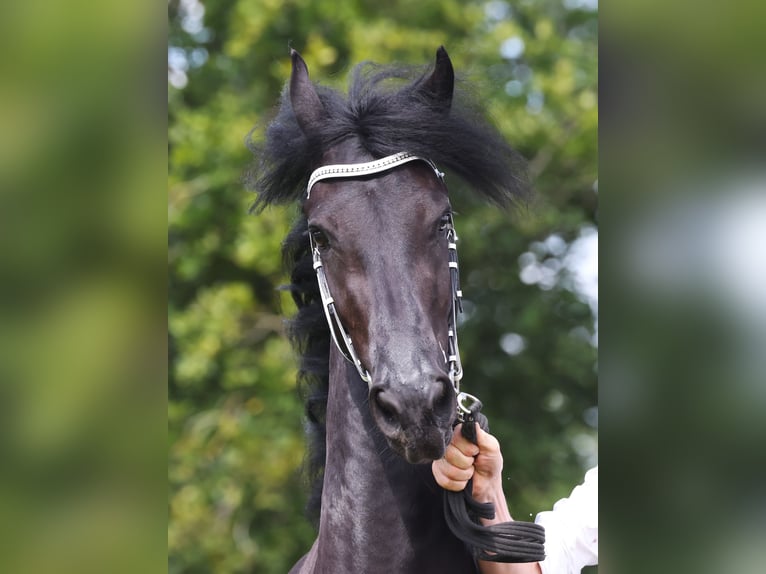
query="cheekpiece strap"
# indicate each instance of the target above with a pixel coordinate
(341, 170)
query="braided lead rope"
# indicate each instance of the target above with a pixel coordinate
(514, 541)
(341, 170)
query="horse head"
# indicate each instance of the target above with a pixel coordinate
(383, 240)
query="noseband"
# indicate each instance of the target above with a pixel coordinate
(338, 332)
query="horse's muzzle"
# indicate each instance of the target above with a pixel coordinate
(415, 416)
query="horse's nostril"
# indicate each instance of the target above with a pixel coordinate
(441, 398)
(386, 407)
(388, 415)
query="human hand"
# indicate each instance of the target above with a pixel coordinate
(464, 460)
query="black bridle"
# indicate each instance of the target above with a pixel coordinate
(506, 542)
(338, 332)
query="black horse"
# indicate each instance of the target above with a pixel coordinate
(373, 255)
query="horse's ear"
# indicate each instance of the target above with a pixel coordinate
(307, 107)
(441, 83)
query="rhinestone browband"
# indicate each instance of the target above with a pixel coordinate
(341, 170)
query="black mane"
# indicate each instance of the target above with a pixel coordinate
(384, 113)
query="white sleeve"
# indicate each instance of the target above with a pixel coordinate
(571, 529)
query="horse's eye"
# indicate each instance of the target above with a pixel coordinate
(444, 222)
(318, 237)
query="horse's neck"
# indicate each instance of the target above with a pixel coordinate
(379, 513)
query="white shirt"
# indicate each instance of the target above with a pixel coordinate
(571, 529)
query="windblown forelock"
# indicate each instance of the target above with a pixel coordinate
(385, 113)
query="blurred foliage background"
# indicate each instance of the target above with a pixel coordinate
(82, 287)
(528, 337)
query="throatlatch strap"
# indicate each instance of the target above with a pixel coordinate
(505, 542)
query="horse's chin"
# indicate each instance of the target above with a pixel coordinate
(414, 459)
(421, 453)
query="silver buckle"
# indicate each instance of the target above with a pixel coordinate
(464, 404)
